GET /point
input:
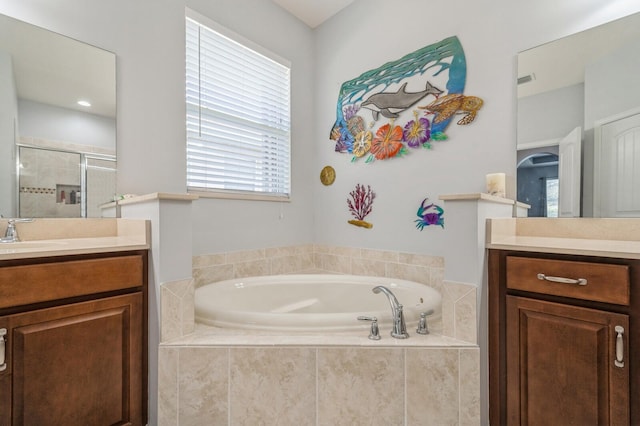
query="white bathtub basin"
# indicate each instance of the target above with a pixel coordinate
(310, 302)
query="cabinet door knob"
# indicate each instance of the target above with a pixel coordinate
(619, 362)
(579, 281)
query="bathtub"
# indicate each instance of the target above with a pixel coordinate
(310, 302)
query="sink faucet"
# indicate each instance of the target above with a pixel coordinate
(399, 330)
(11, 235)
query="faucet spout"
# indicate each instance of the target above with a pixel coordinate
(11, 234)
(399, 329)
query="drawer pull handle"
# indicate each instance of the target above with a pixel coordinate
(579, 281)
(619, 362)
(3, 364)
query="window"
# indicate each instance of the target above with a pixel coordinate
(238, 115)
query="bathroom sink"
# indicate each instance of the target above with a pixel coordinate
(24, 245)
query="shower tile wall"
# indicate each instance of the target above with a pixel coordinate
(40, 172)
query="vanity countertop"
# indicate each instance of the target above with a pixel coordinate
(62, 237)
(603, 237)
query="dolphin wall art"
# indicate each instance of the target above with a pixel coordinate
(391, 104)
(392, 94)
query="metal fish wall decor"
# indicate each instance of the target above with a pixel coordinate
(423, 90)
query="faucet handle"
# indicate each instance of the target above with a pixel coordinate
(423, 328)
(374, 334)
(11, 231)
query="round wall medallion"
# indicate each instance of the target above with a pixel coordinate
(327, 175)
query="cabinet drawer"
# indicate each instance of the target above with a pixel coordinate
(600, 282)
(26, 284)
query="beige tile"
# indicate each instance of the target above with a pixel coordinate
(203, 386)
(437, 278)
(203, 261)
(252, 268)
(465, 318)
(288, 251)
(179, 288)
(458, 290)
(273, 386)
(432, 386)
(167, 386)
(170, 320)
(246, 255)
(212, 274)
(285, 264)
(361, 266)
(469, 387)
(417, 273)
(333, 263)
(421, 259)
(188, 310)
(381, 255)
(448, 315)
(360, 386)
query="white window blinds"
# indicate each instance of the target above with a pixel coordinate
(238, 117)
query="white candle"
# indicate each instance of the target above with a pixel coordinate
(496, 184)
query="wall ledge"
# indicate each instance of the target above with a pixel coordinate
(157, 196)
(480, 196)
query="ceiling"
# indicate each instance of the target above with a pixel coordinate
(313, 12)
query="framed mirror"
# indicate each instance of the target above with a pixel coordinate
(57, 124)
(579, 100)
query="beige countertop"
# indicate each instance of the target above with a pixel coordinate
(602, 237)
(61, 237)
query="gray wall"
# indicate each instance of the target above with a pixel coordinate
(8, 124)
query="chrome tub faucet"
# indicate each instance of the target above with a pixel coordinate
(399, 330)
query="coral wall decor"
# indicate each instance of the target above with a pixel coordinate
(360, 205)
(429, 214)
(410, 102)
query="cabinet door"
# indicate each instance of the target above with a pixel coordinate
(562, 365)
(77, 364)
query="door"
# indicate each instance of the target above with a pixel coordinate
(566, 365)
(569, 171)
(617, 167)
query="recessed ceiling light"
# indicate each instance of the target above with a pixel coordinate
(84, 103)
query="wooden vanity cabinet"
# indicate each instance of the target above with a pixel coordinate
(563, 351)
(75, 344)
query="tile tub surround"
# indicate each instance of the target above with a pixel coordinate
(209, 375)
(459, 318)
(318, 385)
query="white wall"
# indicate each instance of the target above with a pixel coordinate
(8, 123)
(65, 125)
(148, 36)
(550, 115)
(612, 84)
(370, 33)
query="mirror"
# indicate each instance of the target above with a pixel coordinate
(584, 89)
(58, 156)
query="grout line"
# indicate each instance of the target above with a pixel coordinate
(406, 392)
(459, 385)
(317, 390)
(178, 388)
(229, 386)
